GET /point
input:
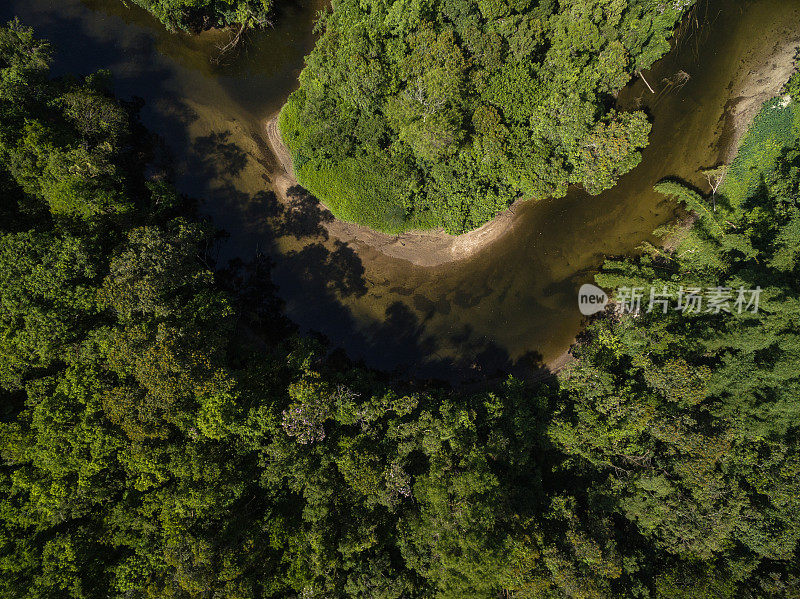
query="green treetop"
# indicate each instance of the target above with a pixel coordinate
(440, 113)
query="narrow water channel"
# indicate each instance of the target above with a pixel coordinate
(506, 308)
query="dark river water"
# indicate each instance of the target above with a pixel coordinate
(507, 308)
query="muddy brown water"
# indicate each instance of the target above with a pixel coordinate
(507, 308)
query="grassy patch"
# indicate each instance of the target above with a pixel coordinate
(356, 190)
(774, 129)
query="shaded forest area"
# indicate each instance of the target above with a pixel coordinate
(165, 433)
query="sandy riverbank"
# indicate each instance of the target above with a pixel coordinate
(754, 88)
(421, 248)
(749, 91)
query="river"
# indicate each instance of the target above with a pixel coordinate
(507, 309)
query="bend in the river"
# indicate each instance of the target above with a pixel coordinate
(505, 308)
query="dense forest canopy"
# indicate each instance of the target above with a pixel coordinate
(165, 434)
(197, 15)
(440, 113)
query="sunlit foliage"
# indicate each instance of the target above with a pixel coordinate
(442, 113)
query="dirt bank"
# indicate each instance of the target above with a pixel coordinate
(751, 90)
(421, 248)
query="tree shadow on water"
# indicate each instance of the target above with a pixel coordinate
(321, 271)
(303, 216)
(317, 284)
(217, 154)
(401, 344)
(324, 289)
